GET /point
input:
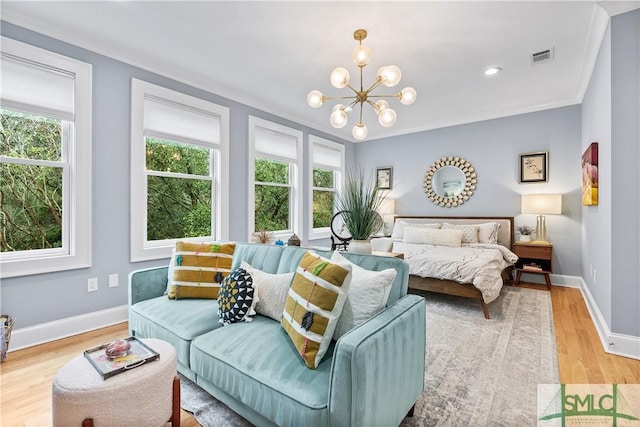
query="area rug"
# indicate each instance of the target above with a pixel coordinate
(478, 372)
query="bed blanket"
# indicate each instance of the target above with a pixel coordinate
(476, 263)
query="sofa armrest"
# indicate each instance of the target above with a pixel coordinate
(146, 284)
(378, 368)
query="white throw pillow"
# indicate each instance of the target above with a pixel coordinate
(428, 236)
(398, 228)
(470, 231)
(367, 296)
(488, 232)
(272, 291)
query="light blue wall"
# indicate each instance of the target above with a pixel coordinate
(44, 298)
(625, 155)
(492, 148)
(611, 117)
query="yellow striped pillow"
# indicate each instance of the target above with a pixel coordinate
(314, 304)
(199, 269)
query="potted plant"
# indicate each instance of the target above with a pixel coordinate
(525, 232)
(360, 200)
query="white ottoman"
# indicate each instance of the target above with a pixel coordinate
(148, 395)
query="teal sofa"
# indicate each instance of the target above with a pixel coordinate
(372, 376)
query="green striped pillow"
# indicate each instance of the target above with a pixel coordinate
(314, 304)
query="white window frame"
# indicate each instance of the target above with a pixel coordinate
(76, 164)
(141, 248)
(338, 178)
(295, 176)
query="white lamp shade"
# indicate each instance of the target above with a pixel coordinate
(338, 118)
(542, 204)
(387, 207)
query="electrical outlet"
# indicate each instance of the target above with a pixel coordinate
(92, 284)
(113, 280)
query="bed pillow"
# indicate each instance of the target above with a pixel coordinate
(271, 289)
(237, 298)
(368, 295)
(488, 232)
(398, 228)
(314, 304)
(199, 269)
(430, 236)
(470, 231)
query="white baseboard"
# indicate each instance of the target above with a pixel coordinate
(613, 343)
(51, 331)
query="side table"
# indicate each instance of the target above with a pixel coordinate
(148, 395)
(534, 258)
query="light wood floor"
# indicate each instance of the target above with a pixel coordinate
(26, 376)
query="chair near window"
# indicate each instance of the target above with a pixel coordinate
(340, 232)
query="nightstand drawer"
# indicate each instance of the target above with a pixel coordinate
(532, 251)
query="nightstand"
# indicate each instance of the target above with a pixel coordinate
(533, 258)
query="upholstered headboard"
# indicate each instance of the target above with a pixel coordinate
(505, 233)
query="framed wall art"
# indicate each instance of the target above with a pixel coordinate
(384, 178)
(534, 167)
(590, 175)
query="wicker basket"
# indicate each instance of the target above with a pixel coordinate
(6, 324)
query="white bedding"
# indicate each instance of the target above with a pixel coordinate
(478, 263)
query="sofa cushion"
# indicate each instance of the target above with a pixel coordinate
(256, 364)
(271, 289)
(314, 304)
(199, 268)
(368, 295)
(237, 298)
(175, 321)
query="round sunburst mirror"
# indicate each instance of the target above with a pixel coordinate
(450, 181)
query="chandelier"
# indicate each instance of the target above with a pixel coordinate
(388, 75)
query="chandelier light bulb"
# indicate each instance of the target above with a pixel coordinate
(338, 118)
(381, 105)
(339, 77)
(389, 75)
(315, 99)
(387, 117)
(361, 55)
(360, 131)
(408, 95)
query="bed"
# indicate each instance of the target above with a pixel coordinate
(475, 270)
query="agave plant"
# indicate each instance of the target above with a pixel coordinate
(360, 199)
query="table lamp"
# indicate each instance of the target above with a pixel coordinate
(387, 208)
(541, 204)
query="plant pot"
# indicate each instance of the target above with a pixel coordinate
(524, 238)
(359, 247)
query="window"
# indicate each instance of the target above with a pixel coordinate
(45, 161)
(179, 169)
(275, 162)
(326, 168)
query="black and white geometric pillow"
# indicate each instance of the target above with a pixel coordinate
(237, 298)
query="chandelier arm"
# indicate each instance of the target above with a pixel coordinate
(383, 96)
(377, 83)
(361, 112)
(352, 88)
(328, 98)
(353, 103)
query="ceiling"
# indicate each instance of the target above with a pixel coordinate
(269, 55)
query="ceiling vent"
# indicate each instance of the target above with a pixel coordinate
(542, 56)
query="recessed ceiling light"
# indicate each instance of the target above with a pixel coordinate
(492, 71)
